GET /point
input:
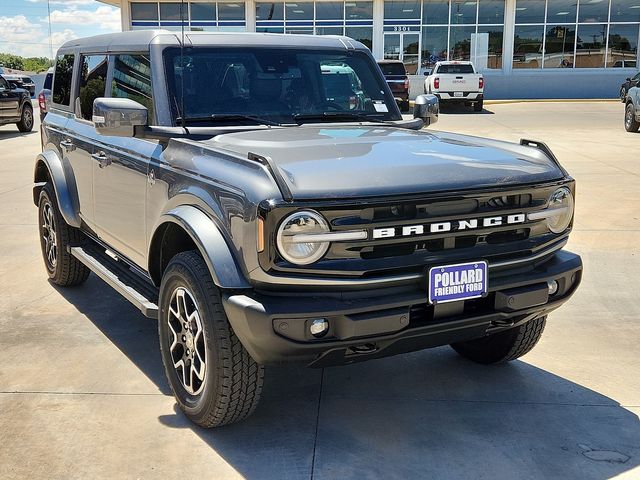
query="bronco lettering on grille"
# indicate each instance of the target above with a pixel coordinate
(441, 227)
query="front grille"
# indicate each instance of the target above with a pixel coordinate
(404, 254)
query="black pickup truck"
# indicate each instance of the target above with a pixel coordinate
(214, 182)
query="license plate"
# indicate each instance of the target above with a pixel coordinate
(458, 94)
(451, 283)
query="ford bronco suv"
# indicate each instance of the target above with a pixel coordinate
(211, 180)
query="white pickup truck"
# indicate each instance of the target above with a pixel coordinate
(456, 82)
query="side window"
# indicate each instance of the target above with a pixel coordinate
(132, 79)
(4, 85)
(93, 76)
(62, 80)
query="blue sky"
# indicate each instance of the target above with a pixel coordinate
(24, 28)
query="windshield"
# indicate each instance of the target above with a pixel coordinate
(455, 69)
(393, 68)
(244, 85)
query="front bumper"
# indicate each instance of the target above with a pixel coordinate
(377, 323)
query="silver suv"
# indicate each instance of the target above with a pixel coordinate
(216, 182)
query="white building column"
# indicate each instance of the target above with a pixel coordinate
(507, 39)
(125, 15)
(378, 29)
(250, 15)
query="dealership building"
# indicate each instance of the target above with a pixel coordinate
(525, 48)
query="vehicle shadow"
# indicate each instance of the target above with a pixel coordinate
(7, 134)
(427, 414)
(460, 109)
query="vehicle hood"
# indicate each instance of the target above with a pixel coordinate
(355, 161)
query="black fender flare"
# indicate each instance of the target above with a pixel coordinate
(208, 238)
(63, 185)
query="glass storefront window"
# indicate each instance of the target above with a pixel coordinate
(436, 12)
(171, 12)
(463, 11)
(491, 12)
(358, 10)
(494, 54)
(144, 11)
(329, 31)
(434, 46)
(329, 10)
(561, 11)
(623, 46)
(231, 11)
(269, 11)
(590, 46)
(363, 35)
(460, 43)
(527, 46)
(590, 11)
(559, 44)
(401, 9)
(530, 11)
(625, 11)
(299, 11)
(203, 11)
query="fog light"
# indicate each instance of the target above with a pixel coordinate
(553, 287)
(319, 327)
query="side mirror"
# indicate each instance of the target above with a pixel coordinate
(118, 116)
(427, 108)
(12, 86)
(427, 73)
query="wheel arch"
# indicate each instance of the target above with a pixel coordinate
(188, 228)
(49, 168)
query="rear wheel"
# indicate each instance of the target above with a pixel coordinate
(213, 378)
(478, 106)
(55, 239)
(26, 119)
(504, 346)
(630, 122)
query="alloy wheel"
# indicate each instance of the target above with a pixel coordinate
(27, 118)
(49, 235)
(187, 342)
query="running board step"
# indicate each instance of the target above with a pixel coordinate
(123, 280)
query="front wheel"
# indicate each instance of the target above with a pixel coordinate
(504, 346)
(623, 95)
(213, 378)
(26, 119)
(630, 123)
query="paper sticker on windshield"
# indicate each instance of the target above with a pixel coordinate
(380, 106)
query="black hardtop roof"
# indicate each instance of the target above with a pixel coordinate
(140, 40)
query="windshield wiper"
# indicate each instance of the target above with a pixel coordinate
(221, 117)
(301, 117)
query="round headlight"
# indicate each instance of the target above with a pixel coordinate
(294, 243)
(561, 210)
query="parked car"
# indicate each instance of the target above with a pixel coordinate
(44, 95)
(396, 76)
(632, 110)
(343, 87)
(15, 106)
(456, 82)
(22, 81)
(262, 230)
(629, 83)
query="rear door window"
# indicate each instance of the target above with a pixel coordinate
(93, 77)
(62, 80)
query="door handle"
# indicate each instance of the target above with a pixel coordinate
(67, 145)
(102, 158)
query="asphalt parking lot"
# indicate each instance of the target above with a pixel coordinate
(83, 394)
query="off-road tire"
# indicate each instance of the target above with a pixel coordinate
(232, 379)
(504, 346)
(623, 95)
(630, 122)
(478, 106)
(67, 270)
(26, 119)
